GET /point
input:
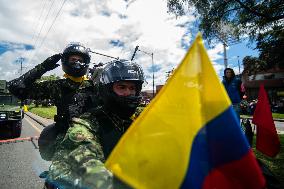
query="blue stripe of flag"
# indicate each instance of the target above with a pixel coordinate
(221, 141)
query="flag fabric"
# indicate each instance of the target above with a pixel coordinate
(267, 140)
(188, 136)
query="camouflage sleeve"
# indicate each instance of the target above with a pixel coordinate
(79, 158)
(19, 87)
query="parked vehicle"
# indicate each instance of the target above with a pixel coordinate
(11, 113)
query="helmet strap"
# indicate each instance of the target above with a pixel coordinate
(76, 79)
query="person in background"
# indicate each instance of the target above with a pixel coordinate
(72, 95)
(233, 86)
(79, 160)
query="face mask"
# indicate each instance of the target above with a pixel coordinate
(78, 64)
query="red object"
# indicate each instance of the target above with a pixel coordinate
(243, 89)
(267, 140)
(233, 176)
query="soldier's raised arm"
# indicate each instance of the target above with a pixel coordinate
(21, 86)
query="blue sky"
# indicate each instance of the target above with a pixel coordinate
(35, 30)
(9, 46)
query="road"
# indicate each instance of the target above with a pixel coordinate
(20, 161)
(279, 126)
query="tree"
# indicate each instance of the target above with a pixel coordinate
(48, 78)
(271, 47)
(262, 21)
(245, 17)
(45, 102)
(252, 65)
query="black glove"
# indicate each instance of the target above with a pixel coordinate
(50, 63)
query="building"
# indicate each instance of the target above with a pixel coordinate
(147, 95)
(273, 81)
(158, 88)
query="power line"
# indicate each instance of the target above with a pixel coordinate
(34, 28)
(117, 58)
(45, 19)
(56, 16)
(38, 20)
(52, 23)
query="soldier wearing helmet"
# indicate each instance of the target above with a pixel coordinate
(72, 95)
(75, 60)
(114, 88)
(91, 138)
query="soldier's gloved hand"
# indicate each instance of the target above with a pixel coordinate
(51, 62)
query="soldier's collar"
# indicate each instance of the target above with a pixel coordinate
(76, 79)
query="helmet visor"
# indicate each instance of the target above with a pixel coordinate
(122, 71)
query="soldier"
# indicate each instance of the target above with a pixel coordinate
(72, 95)
(79, 159)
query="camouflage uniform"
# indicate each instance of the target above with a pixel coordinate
(79, 158)
(71, 99)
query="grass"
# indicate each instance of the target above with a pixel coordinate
(274, 115)
(277, 115)
(46, 112)
(276, 164)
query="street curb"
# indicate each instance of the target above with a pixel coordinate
(29, 114)
(250, 118)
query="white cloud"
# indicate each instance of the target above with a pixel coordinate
(95, 23)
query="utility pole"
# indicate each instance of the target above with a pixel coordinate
(153, 70)
(21, 59)
(239, 65)
(225, 56)
(225, 35)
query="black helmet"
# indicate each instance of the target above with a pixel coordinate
(75, 69)
(120, 70)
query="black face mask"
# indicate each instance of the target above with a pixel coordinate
(123, 106)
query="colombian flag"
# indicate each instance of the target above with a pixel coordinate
(188, 136)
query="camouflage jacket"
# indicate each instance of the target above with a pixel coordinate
(80, 156)
(71, 98)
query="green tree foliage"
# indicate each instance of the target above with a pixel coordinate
(245, 17)
(262, 21)
(45, 102)
(271, 47)
(48, 78)
(252, 65)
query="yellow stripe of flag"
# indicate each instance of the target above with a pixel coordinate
(155, 150)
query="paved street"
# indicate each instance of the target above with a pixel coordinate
(279, 126)
(20, 160)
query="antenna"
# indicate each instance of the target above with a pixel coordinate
(135, 50)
